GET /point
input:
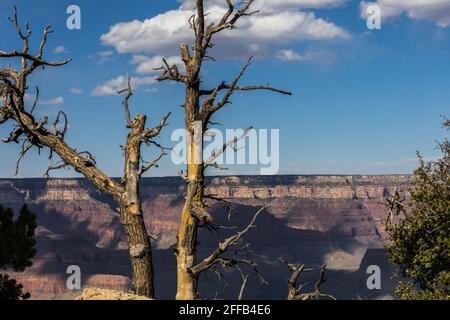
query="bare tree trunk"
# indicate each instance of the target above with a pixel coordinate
(140, 253)
(187, 257)
(187, 238)
(132, 215)
(200, 106)
(31, 132)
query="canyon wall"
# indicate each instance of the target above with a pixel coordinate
(335, 220)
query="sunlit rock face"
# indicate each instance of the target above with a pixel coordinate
(310, 219)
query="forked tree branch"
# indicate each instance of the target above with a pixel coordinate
(125, 103)
(294, 290)
(216, 257)
(210, 106)
(31, 131)
(200, 106)
(220, 151)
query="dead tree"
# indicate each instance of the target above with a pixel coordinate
(294, 290)
(30, 132)
(200, 105)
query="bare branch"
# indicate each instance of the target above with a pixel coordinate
(243, 12)
(47, 30)
(36, 60)
(57, 166)
(26, 146)
(209, 109)
(36, 99)
(294, 292)
(226, 22)
(15, 22)
(14, 136)
(170, 73)
(229, 205)
(25, 56)
(218, 152)
(153, 132)
(244, 283)
(266, 87)
(37, 132)
(125, 103)
(229, 93)
(152, 164)
(197, 110)
(58, 132)
(215, 257)
(397, 206)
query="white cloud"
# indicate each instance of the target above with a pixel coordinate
(103, 56)
(51, 102)
(278, 5)
(271, 5)
(151, 90)
(106, 53)
(30, 98)
(111, 87)
(146, 65)
(437, 11)
(76, 91)
(289, 55)
(60, 49)
(279, 23)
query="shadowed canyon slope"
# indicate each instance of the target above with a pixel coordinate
(310, 219)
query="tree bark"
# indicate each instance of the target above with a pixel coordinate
(186, 257)
(198, 113)
(187, 283)
(30, 132)
(140, 253)
(132, 215)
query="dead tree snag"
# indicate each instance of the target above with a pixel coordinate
(200, 106)
(30, 132)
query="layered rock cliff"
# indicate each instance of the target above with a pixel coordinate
(310, 219)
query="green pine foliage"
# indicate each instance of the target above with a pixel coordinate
(17, 248)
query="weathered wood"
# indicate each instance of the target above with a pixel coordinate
(13, 87)
(194, 211)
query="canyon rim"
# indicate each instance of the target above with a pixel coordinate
(336, 220)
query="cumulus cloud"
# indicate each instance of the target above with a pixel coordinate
(147, 64)
(278, 5)
(30, 98)
(103, 56)
(111, 87)
(60, 49)
(106, 53)
(76, 91)
(272, 5)
(289, 55)
(437, 11)
(279, 23)
(151, 90)
(53, 102)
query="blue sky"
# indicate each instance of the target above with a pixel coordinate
(364, 101)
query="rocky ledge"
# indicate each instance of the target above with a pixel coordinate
(310, 219)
